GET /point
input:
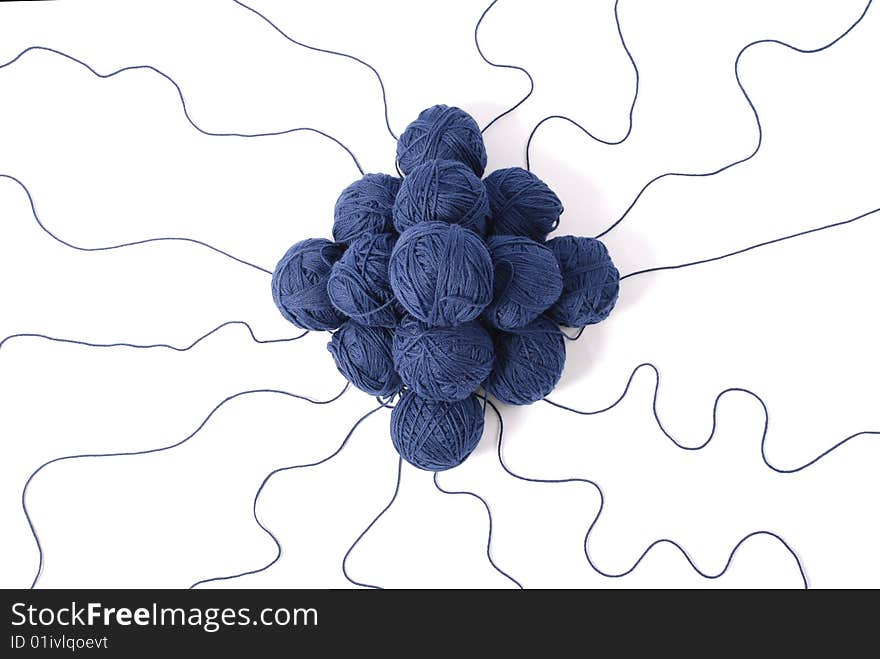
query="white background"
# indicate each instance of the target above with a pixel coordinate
(114, 160)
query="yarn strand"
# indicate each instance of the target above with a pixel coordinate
(147, 67)
(160, 449)
(804, 51)
(489, 539)
(676, 545)
(367, 530)
(260, 489)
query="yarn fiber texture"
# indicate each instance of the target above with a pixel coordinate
(527, 280)
(522, 204)
(364, 207)
(528, 363)
(433, 435)
(358, 285)
(442, 363)
(441, 273)
(299, 284)
(363, 356)
(445, 191)
(442, 132)
(590, 281)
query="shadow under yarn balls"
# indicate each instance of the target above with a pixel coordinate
(590, 281)
(436, 436)
(299, 284)
(358, 284)
(441, 273)
(528, 363)
(522, 204)
(442, 363)
(445, 191)
(527, 281)
(442, 132)
(363, 356)
(364, 207)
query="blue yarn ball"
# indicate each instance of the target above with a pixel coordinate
(358, 284)
(522, 204)
(364, 207)
(442, 132)
(590, 282)
(433, 435)
(527, 281)
(442, 363)
(363, 355)
(299, 284)
(441, 273)
(528, 363)
(442, 190)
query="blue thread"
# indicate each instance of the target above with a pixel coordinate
(433, 435)
(363, 355)
(527, 280)
(590, 282)
(366, 530)
(364, 207)
(260, 489)
(442, 363)
(442, 132)
(445, 191)
(528, 363)
(299, 284)
(441, 273)
(358, 285)
(522, 204)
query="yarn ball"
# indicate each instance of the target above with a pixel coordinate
(358, 284)
(527, 281)
(522, 204)
(299, 284)
(434, 435)
(590, 282)
(364, 207)
(363, 356)
(442, 190)
(441, 273)
(528, 363)
(442, 363)
(442, 132)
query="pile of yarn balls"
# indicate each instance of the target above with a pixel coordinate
(441, 287)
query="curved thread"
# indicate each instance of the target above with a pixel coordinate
(804, 51)
(160, 449)
(574, 123)
(263, 484)
(147, 67)
(328, 52)
(79, 248)
(773, 241)
(120, 344)
(489, 539)
(618, 575)
(366, 530)
(512, 67)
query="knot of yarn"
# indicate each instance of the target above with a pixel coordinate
(441, 273)
(442, 133)
(364, 207)
(522, 204)
(299, 284)
(358, 285)
(363, 356)
(442, 190)
(442, 363)
(527, 280)
(590, 281)
(436, 435)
